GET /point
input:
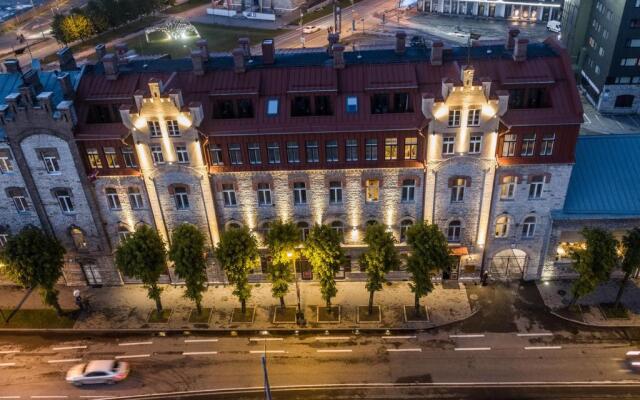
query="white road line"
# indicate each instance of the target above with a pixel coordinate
(134, 343)
(9, 351)
(332, 338)
(335, 351)
(268, 352)
(68, 348)
(200, 340)
(259, 339)
(7, 364)
(92, 397)
(49, 397)
(534, 334)
(9, 397)
(133, 356)
(587, 118)
(404, 350)
(467, 336)
(198, 353)
(398, 337)
(472, 348)
(67, 360)
(543, 348)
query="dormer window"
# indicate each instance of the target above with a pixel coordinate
(229, 108)
(272, 107)
(301, 106)
(380, 103)
(323, 105)
(402, 103)
(352, 104)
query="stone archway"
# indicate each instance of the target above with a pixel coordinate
(508, 264)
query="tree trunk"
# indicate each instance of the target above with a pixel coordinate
(371, 293)
(158, 305)
(282, 305)
(243, 306)
(329, 304)
(199, 307)
(621, 290)
(417, 305)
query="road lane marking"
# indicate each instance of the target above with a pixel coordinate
(332, 338)
(133, 356)
(472, 348)
(404, 350)
(534, 334)
(68, 348)
(268, 352)
(66, 360)
(268, 339)
(134, 343)
(335, 351)
(198, 353)
(467, 336)
(633, 353)
(543, 348)
(200, 340)
(9, 351)
(49, 397)
(398, 337)
(9, 397)
(7, 364)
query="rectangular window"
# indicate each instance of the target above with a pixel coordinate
(390, 148)
(313, 155)
(402, 103)
(6, 165)
(273, 153)
(546, 149)
(331, 150)
(173, 128)
(51, 164)
(473, 119)
(335, 192)
(94, 158)
(380, 103)
(293, 152)
(181, 198)
(21, 203)
(475, 144)
(323, 105)
(372, 190)
(216, 154)
(457, 190)
(528, 144)
(245, 108)
(628, 62)
(352, 104)
(508, 187)
(352, 150)
(448, 143)
(224, 109)
(229, 195)
(509, 145)
(410, 148)
(154, 128)
(64, 200)
(371, 150)
(535, 187)
(301, 106)
(128, 157)
(454, 118)
(113, 200)
(135, 198)
(182, 154)
(264, 194)
(254, 153)
(299, 193)
(156, 154)
(110, 156)
(633, 42)
(272, 107)
(235, 154)
(408, 190)
(3, 239)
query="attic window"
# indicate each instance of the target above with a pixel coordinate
(103, 114)
(352, 104)
(229, 108)
(272, 107)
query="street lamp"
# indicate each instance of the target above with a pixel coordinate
(299, 314)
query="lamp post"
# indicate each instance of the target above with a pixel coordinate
(299, 314)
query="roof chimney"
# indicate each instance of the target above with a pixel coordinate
(12, 66)
(64, 80)
(203, 45)
(121, 51)
(238, 60)
(101, 51)
(268, 52)
(511, 38)
(66, 60)
(245, 46)
(31, 79)
(401, 37)
(520, 51)
(338, 56)
(110, 64)
(437, 48)
(197, 59)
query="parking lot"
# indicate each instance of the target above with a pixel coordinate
(596, 123)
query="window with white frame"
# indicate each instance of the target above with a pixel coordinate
(4, 237)
(475, 144)
(181, 197)
(173, 128)
(229, 195)
(273, 153)
(272, 107)
(135, 198)
(502, 226)
(410, 148)
(299, 193)
(335, 192)
(264, 194)
(293, 152)
(536, 183)
(473, 118)
(338, 227)
(372, 190)
(548, 140)
(235, 154)
(19, 200)
(64, 200)
(313, 155)
(453, 231)
(123, 233)
(405, 224)
(111, 157)
(528, 144)
(128, 157)
(254, 153)
(113, 200)
(331, 150)
(351, 150)
(508, 187)
(408, 190)
(371, 150)
(156, 154)
(352, 104)
(448, 143)
(390, 148)
(216, 154)
(509, 145)
(454, 118)
(94, 158)
(6, 164)
(51, 163)
(182, 154)
(529, 227)
(457, 190)
(303, 227)
(154, 128)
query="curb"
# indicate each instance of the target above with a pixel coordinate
(592, 325)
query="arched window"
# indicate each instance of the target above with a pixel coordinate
(502, 226)
(624, 101)
(233, 225)
(529, 227)
(338, 226)
(123, 232)
(453, 231)
(135, 197)
(304, 230)
(371, 222)
(404, 226)
(112, 199)
(78, 238)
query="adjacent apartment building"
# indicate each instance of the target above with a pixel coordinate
(518, 10)
(603, 40)
(478, 140)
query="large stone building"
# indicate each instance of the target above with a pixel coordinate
(518, 10)
(478, 140)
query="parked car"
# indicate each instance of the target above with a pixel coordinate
(310, 29)
(554, 26)
(98, 371)
(633, 360)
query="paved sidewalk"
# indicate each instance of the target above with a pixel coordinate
(127, 307)
(557, 296)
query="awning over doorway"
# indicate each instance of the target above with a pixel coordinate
(460, 251)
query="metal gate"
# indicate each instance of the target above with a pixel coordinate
(508, 267)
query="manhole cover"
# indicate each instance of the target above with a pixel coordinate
(562, 292)
(473, 296)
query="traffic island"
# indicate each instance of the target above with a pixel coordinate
(328, 315)
(159, 318)
(238, 317)
(202, 318)
(364, 317)
(411, 316)
(284, 315)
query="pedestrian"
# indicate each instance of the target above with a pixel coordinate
(78, 299)
(485, 278)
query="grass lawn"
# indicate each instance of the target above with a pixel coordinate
(187, 5)
(610, 311)
(39, 319)
(364, 316)
(220, 38)
(201, 318)
(162, 318)
(326, 10)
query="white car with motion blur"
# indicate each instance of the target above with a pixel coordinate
(310, 29)
(98, 371)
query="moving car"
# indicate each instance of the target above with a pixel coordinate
(554, 26)
(633, 360)
(98, 371)
(310, 29)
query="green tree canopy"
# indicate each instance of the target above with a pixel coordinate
(143, 256)
(380, 258)
(237, 253)
(630, 258)
(282, 240)
(188, 255)
(429, 253)
(34, 259)
(324, 253)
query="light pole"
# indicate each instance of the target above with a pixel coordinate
(299, 314)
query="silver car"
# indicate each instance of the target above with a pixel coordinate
(98, 371)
